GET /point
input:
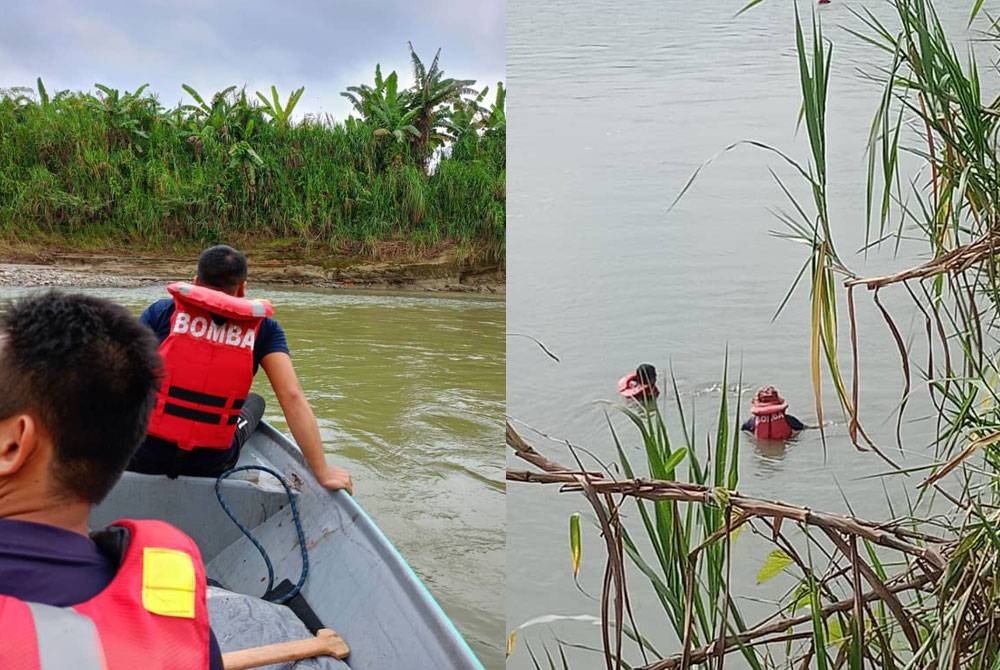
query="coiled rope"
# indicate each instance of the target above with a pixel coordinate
(246, 531)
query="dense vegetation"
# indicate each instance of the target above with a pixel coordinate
(421, 166)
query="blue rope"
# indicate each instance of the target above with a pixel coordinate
(246, 531)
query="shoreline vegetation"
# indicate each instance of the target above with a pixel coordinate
(412, 185)
(918, 589)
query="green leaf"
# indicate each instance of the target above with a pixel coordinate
(819, 633)
(776, 561)
(975, 10)
(800, 598)
(750, 5)
(674, 460)
(835, 633)
(574, 542)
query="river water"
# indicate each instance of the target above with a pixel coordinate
(612, 108)
(408, 390)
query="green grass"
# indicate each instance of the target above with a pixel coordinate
(119, 168)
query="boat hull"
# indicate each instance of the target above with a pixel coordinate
(358, 582)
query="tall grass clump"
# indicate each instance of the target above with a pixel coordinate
(683, 551)
(918, 591)
(422, 166)
(851, 602)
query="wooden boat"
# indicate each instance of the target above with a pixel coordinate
(358, 583)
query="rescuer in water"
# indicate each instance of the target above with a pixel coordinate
(770, 420)
(79, 377)
(639, 385)
(212, 340)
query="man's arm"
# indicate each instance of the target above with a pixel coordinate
(794, 423)
(302, 421)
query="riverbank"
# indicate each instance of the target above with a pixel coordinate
(443, 270)
(117, 167)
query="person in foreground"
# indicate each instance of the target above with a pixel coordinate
(639, 385)
(213, 340)
(78, 376)
(770, 420)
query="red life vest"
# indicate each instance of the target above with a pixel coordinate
(152, 615)
(630, 387)
(208, 366)
(770, 422)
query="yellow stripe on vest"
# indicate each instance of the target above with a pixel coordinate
(168, 582)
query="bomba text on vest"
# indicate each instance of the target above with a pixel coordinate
(200, 327)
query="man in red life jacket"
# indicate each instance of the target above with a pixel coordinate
(770, 420)
(78, 377)
(213, 340)
(639, 385)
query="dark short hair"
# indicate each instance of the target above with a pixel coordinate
(88, 371)
(646, 373)
(222, 267)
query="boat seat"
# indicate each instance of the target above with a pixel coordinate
(240, 621)
(139, 496)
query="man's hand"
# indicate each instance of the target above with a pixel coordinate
(302, 421)
(335, 478)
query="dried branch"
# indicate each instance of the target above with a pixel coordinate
(844, 531)
(652, 489)
(782, 625)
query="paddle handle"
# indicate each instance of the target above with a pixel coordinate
(326, 643)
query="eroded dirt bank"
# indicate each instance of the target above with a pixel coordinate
(97, 269)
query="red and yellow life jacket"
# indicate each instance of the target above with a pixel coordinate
(208, 361)
(630, 387)
(153, 615)
(770, 422)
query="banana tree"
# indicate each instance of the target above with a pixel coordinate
(45, 101)
(281, 114)
(364, 97)
(496, 120)
(229, 113)
(128, 114)
(465, 117)
(433, 96)
(385, 107)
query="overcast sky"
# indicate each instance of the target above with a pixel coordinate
(211, 44)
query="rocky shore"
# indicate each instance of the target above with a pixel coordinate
(42, 275)
(105, 271)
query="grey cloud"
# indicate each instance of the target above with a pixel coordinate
(325, 46)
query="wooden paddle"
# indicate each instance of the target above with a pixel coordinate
(326, 643)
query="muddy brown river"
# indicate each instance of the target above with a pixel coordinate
(409, 393)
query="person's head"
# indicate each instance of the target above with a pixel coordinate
(767, 394)
(78, 377)
(646, 374)
(223, 268)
